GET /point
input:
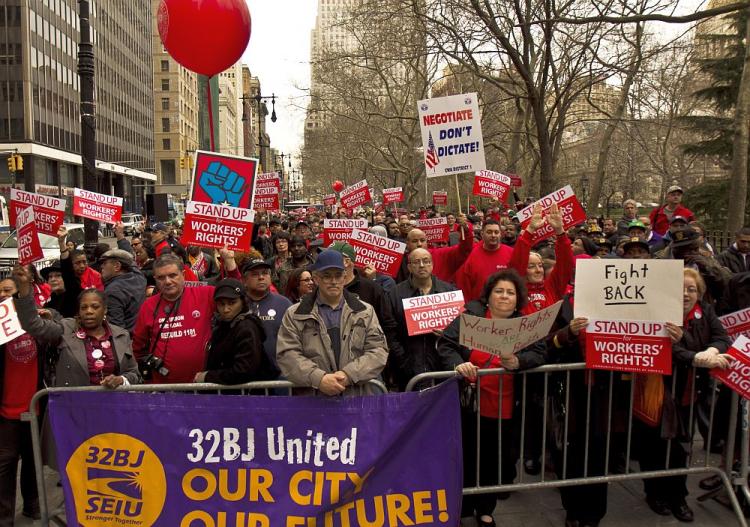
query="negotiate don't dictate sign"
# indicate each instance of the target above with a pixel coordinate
(380, 252)
(635, 346)
(737, 375)
(208, 225)
(425, 314)
(96, 206)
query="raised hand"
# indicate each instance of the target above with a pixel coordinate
(537, 219)
(23, 279)
(555, 219)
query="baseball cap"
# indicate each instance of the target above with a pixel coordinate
(124, 257)
(345, 249)
(328, 259)
(160, 227)
(675, 188)
(255, 264)
(679, 218)
(685, 237)
(229, 288)
(635, 240)
(637, 224)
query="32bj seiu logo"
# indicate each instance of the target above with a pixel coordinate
(116, 478)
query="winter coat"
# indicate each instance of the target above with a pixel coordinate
(125, 294)
(660, 221)
(733, 260)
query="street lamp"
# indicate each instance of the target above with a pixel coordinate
(259, 100)
(585, 191)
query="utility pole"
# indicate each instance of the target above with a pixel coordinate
(88, 120)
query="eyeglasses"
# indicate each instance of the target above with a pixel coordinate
(305, 279)
(333, 277)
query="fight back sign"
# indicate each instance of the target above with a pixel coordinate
(567, 204)
(737, 375)
(340, 230)
(488, 184)
(94, 206)
(381, 253)
(451, 134)
(356, 195)
(267, 191)
(440, 198)
(393, 195)
(435, 229)
(49, 211)
(737, 323)
(29, 249)
(425, 314)
(635, 346)
(208, 225)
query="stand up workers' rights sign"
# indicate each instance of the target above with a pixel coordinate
(648, 290)
(451, 135)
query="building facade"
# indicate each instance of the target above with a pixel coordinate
(230, 111)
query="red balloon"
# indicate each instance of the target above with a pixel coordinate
(338, 186)
(205, 36)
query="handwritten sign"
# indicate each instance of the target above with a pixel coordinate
(10, 327)
(49, 212)
(380, 252)
(737, 323)
(440, 198)
(97, 206)
(737, 376)
(335, 230)
(393, 195)
(425, 314)
(208, 225)
(613, 289)
(435, 229)
(29, 249)
(490, 184)
(568, 205)
(636, 346)
(451, 134)
(267, 191)
(356, 195)
(506, 336)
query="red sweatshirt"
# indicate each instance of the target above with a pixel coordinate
(447, 260)
(91, 278)
(480, 264)
(660, 221)
(554, 287)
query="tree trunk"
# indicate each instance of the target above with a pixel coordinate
(738, 180)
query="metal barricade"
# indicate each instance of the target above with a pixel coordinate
(32, 417)
(596, 391)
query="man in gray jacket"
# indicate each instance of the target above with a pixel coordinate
(331, 341)
(124, 285)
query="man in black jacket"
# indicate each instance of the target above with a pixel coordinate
(737, 257)
(125, 287)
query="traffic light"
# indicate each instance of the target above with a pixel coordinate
(19, 162)
(182, 162)
(12, 163)
(191, 162)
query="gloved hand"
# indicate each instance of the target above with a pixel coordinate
(711, 358)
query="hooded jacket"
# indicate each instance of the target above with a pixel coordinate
(125, 294)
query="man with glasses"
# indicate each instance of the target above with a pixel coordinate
(331, 341)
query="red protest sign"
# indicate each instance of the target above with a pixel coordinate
(737, 323)
(382, 253)
(356, 195)
(96, 206)
(636, 346)
(737, 375)
(439, 198)
(223, 179)
(569, 207)
(515, 180)
(424, 314)
(490, 184)
(267, 190)
(208, 225)
(49, 212)
(341, 230)
(393, 195)
(435, 229)
(329, 200)
(29, 249)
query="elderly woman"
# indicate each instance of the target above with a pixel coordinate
(503, 296)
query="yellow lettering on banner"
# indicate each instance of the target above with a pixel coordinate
(398, 510)
(343, 512)
(260, 482)
(253, 483)
(195, 495)
(422, 506)
(203, 516)
(379, 519)
(244, 519)
(336, 478)
(294, 492)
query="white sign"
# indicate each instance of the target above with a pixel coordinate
(10, 327)
(451, 134)
(612, 289)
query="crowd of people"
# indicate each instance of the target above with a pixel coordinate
(153, 311)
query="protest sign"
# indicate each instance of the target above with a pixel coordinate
(490, 184)
(506, 336)
(451, 134)
(382, 253)
(96, 206)
(329, 200)
(568, 205)
(356, 195)
(435, 229)
(49, 212)
(425, 314)
(615, 289)
(267, 191)
(636, 346)
(515, 180)
(335, 230)
(440, 198)
(187, 460)
(393, 195)
(208, 225)
(29, 249)
(10, 327)
(737, 323)
(737, 376)
(223, 179)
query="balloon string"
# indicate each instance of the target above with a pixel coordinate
(210, 114)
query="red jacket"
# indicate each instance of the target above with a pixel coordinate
(480, 264)
(162, 247)
(447, 260)
(554, 287)
(91, 278)
(660, 221)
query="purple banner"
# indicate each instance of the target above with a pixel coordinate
(141, 459)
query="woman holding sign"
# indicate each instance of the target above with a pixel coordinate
(503, 296)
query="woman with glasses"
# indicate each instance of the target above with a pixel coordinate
(299, 284)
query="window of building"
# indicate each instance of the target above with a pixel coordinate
(165, 124)
(164, 65)
(166, 144)
(165, 103)
(165, 85)
(168, 172)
